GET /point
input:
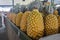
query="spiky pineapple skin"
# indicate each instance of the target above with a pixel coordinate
(18, 18)
(14, 18)
(35, 25)
(23, 24)
(51, 24)
(9, 16)
(56, 12)
(59, 22)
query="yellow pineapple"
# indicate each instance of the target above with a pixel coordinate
(10, 16)
(23, 24)
(35, 25)
(51, 24)
(18, 18)
(55, 12)
(59, 22)
(14, 18)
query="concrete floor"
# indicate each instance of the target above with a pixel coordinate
(3, 35)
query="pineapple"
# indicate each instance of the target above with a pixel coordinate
(7, 15)
(10, 16)
(35, 25)
(18, 18)
(55, 12)
(59, 22)
(14, 18)
(23, 24)
(51, 24)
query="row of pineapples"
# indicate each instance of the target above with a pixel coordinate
(32, 23)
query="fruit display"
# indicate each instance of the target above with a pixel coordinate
(34, 19)
(18, 18)
(51, 24)
(23, 23)
(35, 25)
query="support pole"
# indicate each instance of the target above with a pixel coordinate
(13, 4)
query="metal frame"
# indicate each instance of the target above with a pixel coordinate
(13, 3)
(21, 34)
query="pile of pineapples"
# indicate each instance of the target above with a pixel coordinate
(34, 24)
